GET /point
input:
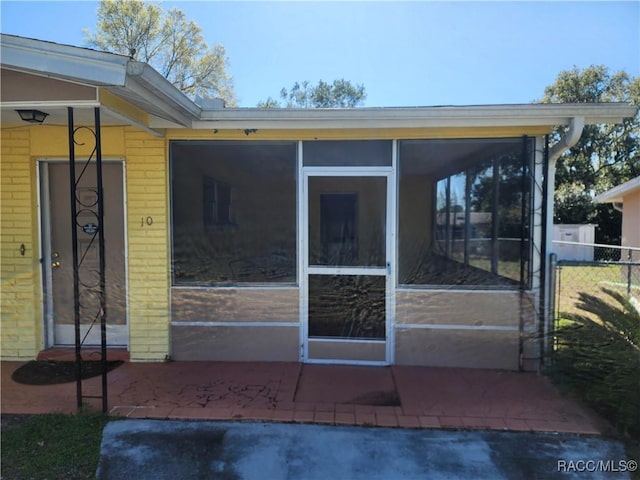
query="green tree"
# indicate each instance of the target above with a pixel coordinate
(167, 41)
(340, 94)
(605, 156)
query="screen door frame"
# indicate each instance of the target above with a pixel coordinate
(387, 270)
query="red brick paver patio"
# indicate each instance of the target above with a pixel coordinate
(398, 396)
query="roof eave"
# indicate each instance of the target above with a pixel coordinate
(63, 61)
(100, 69)
(617, 194)
(533, 115)
(147, 83)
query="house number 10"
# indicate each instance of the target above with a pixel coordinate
(148, 221)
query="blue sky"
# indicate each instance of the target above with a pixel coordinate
(405, 53)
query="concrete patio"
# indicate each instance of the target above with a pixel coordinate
(397, 396)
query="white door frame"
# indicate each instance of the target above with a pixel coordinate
(45, 248)
(389, 270)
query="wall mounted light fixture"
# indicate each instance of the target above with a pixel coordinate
(32, 116)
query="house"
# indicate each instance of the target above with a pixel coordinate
(375, 236)
(626, 198)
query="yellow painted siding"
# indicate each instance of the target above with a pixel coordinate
(147, 199)
(53, 142)
(20, 297)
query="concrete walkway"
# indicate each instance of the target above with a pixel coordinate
(409, 397)
(156, 450)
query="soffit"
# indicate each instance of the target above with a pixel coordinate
(23, 87)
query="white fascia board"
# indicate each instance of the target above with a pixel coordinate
(44, 104)
(616, 194)
(412, 117)
(62, 61)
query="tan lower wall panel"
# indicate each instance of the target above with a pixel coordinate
(463, 308)
(234, 305)
(369, 352)
(457, 348)
(268, 344)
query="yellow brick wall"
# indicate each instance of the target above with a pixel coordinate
(21, 327)
(147, 199)
(20, 298)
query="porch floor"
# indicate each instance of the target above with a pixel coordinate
(397, 396)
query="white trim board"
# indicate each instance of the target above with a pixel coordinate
(433, 326)
(234, 324)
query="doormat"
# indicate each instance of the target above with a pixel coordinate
(355, 385)
(51, 372)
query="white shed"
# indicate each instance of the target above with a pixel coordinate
(574, 242)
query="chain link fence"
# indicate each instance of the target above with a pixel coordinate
(593, 348)
(588, 268)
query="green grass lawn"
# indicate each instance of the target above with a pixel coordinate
(572, 280)
(51, 446)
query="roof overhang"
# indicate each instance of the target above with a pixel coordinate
(617, 194)
(136, 83)
(526, 115)
(62, 61)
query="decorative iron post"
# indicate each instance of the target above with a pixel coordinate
(74, 251)
(87, 215)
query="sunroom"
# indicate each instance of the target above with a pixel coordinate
(355, 251)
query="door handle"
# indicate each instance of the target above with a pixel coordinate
(55, 262)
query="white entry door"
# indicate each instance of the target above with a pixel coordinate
(57, 262)
(347, 264)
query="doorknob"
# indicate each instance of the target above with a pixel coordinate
(55, 263)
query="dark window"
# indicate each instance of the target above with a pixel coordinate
(347, 221)
(233, 212)
(339, 227)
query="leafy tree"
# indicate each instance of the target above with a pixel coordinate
(167, 41)
(340, 94)
(605, 156)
